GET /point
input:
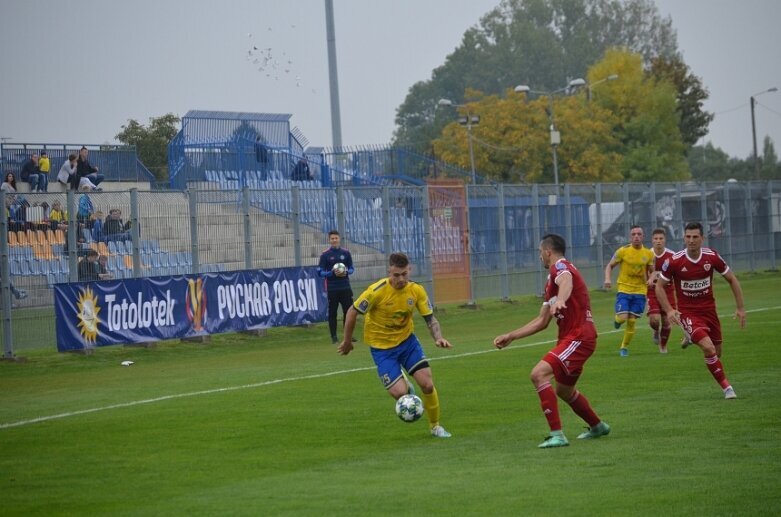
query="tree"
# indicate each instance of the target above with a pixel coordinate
(648, 120)
(537, 42)
(625, 129)
(151, 141)
(709, 163)
(770, 169)
(690, 94)
(512, 141)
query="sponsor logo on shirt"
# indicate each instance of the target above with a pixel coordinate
(695, 285)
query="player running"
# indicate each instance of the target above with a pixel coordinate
(691, 271)
(637, 265)
(566, 299)
(388, 306)
(656, 318)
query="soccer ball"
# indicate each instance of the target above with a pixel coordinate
(339, 268)
(409, 408)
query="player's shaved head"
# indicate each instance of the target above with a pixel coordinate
(555, 243)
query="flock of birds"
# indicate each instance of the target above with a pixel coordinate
(274, 65)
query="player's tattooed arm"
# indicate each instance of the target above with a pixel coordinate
(436, 331)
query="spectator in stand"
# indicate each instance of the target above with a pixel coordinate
(67, 171)
(103, 268)
(84, 169)
(89, 269)
(98, 227)
(115, 229)
(261, 154)
(301, 171)
(31, 173)
(86, 213)
(9, 184)
(14, 203)
(44, 165)
(58, 217)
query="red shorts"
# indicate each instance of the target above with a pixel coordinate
(701, 325)
(653, 303)
(567, 359)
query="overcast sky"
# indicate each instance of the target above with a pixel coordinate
(74, 71)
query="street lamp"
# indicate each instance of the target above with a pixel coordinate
(468, 121)
(754, 128)
(555, 136)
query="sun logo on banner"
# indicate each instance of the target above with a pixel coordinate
(88, 315)
(195, 304)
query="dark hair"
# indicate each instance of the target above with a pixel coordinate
(554, 242)
(44, 153)
(658, 231)
(13, 179)
(398, 260)
(92, 253)
(72, 156)
(694, 226)
(635, 226)
(333, 232)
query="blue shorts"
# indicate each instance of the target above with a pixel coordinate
(633, 304)
(408, 354)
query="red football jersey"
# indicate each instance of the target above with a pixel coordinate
(658, 262)
(693, 279)
(575, 322)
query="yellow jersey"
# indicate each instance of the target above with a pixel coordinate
(388, 312)
(634, 266)
(44, 165)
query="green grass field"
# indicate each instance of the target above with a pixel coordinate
(283, 425)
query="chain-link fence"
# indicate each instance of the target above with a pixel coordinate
(466, 242)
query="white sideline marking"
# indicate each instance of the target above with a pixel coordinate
(280, 381)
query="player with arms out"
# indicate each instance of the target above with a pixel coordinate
(567, 300)
(637, 263)
(657, 319)
(691, 272)
(388, 307)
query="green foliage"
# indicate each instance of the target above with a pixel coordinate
(770, 168)
(648, 121)
(538, 42)
(152, 141)
(282, 425)
(690, 95)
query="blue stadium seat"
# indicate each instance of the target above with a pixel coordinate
(129, 247)
(112, 247)
(86, 234)
(16, 268)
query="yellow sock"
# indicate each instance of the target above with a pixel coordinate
(629, 332)
(618, 320)
(431, 405)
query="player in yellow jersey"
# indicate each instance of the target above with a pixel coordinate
(636, 266)
(388, 306)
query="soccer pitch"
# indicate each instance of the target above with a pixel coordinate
(283, 425)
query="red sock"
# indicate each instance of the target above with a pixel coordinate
(664, 335)
(550, 406)
(579, 404)
(714, 365)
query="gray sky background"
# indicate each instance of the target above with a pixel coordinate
(74, 71)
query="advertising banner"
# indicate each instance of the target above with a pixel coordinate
(142, 310)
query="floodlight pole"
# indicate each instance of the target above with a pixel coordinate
(333, 76)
